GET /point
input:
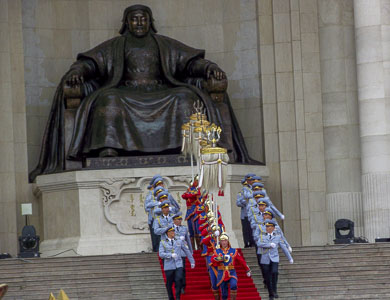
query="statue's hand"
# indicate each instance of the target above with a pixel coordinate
(216, 72)
(74, 79)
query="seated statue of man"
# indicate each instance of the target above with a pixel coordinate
(138, 89)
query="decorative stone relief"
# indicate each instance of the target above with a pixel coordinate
(124, 198)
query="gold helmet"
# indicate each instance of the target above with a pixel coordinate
(224, 237)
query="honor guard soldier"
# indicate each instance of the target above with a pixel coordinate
(192, 200)
(225, 259)
(270, 215)
(149, 212)
(158, 181)
(181, 232)
(255, 212)
(242, 201)
(157, 210)
(164, 221)
(270, 257)
(260, 232)
(149, 206)
(210, 233)
(153, 206)
(171, 251)
(259, 186)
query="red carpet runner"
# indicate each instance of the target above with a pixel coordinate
(198, 282)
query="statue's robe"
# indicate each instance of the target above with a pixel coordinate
(109, 60)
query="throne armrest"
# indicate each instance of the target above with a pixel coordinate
(72, 96)
(216, 88)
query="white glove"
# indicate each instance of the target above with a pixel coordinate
(249, 274)
(174, 255)
(273, 245)
(216, 233)
(170, 208)
(182, 237)
(290, 249)
(192, 266)
(291, 261)
(282, 217)
(226, 257)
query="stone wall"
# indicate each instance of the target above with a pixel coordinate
(291, 85)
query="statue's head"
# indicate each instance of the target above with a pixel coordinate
(137, 20)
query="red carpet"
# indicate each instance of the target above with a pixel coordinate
(198, 282)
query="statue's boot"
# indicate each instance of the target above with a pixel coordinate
(233, 295)
(216, 294)
(108, 152)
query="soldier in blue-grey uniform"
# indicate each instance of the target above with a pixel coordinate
(243, 197)
(255, 212)
(157, 209)
(259, 186)
(181, 232)
(269, 245)
(270, 215)
(149, 212)
(260, 232)
(171, 251)
(159, 182)
(163, 221)
(151, 205)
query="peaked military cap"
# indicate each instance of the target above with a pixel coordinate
(162, 197)
(178, 216)
(270, 222)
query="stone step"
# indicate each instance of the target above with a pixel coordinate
(119, 277)
(330, 272)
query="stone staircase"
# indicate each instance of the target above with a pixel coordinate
(357, 271)
(110, 277)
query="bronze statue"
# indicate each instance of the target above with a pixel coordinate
(136, 91)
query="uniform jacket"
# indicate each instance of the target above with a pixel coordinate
(153, 204)
(242, 200)
(271, 254)
(149, 209)
(161, 224)
(182, 230)
(181, 249)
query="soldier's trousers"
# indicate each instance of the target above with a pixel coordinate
(183, 282)
(155, 238)
(271, 277)
(225, 287)
(247, 233)
(174, 276)
(260, 264)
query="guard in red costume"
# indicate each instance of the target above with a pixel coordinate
(192, 200)
(225, 259)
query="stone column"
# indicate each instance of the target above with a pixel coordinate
(372, 59)
(13, 156)
(340, 114)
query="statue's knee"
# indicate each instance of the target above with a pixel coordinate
(108, 100)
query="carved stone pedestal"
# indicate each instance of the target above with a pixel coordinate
(95, 212)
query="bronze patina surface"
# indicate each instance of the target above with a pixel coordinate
(136, 91)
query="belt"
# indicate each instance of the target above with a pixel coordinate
(143, 81)
(226, 268)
